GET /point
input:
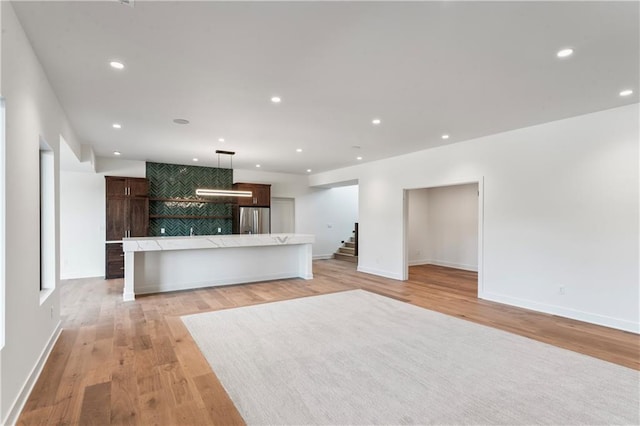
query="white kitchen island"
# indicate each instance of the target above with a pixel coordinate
(158, 264)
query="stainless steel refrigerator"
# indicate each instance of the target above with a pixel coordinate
(253, 220)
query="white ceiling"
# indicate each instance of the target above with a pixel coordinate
(464, 68)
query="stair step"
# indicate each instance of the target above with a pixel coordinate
(347, 257)
(350, 244)
(347, 250)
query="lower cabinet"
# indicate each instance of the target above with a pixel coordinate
(114, 261)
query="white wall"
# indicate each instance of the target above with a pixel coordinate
(283, 215)
(32, 112)
(283, 185)
(560, 209)
(328, 213)
(2, 218)
(82, 216)
(418, 226)
(81, 225)
(453, 226)
(443, 226)
(116, 167)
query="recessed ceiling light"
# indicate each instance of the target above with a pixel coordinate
(117, 126)
(299, 150)
(376, 121)
(626, 92)
(445, 136)
(180, 121)
(195, 159)
(276, 99)
(308, 170)
(564, 53)
(117, 65)
(220, 139)
(358, 158)
(116, 153)
(257, 165)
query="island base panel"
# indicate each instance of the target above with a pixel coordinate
(173, 270)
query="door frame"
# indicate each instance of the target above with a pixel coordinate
(405, 226)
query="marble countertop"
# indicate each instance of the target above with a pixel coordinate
(213, 241)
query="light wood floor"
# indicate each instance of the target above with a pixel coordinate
(135, 363)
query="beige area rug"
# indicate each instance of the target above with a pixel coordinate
(360, 358)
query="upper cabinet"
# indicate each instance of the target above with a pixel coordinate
(261, 194)
(117, 186)
(127, 205)
(138, 187)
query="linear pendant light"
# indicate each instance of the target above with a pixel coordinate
(204, 192)
(222, 193)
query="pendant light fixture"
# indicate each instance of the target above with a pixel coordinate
(204, 192)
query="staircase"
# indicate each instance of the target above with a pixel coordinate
(349, 249)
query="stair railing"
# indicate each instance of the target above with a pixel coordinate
(355, 237)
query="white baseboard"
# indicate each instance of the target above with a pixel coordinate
(79, 275)
(21, 399)
(322, 256)
(380, 272)
(462, 266)
(603, 320)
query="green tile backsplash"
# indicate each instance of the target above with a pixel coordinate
(173, 227)
(192, 209)
(174, 181)
(177, 181)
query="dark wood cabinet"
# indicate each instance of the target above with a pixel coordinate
(138, 187)
(114, 261)
(127, 204)
(116, 218)
(127, 215)
(138, 216)
(116, 186)
(261, 194)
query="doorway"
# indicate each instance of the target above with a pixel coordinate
(443, 235)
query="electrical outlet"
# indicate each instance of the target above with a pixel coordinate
(162, 230)
(219, 230)
(561, 290)
(52, 312)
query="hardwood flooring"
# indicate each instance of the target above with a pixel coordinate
(135, 362)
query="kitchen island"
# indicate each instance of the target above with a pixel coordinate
(159, 264)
